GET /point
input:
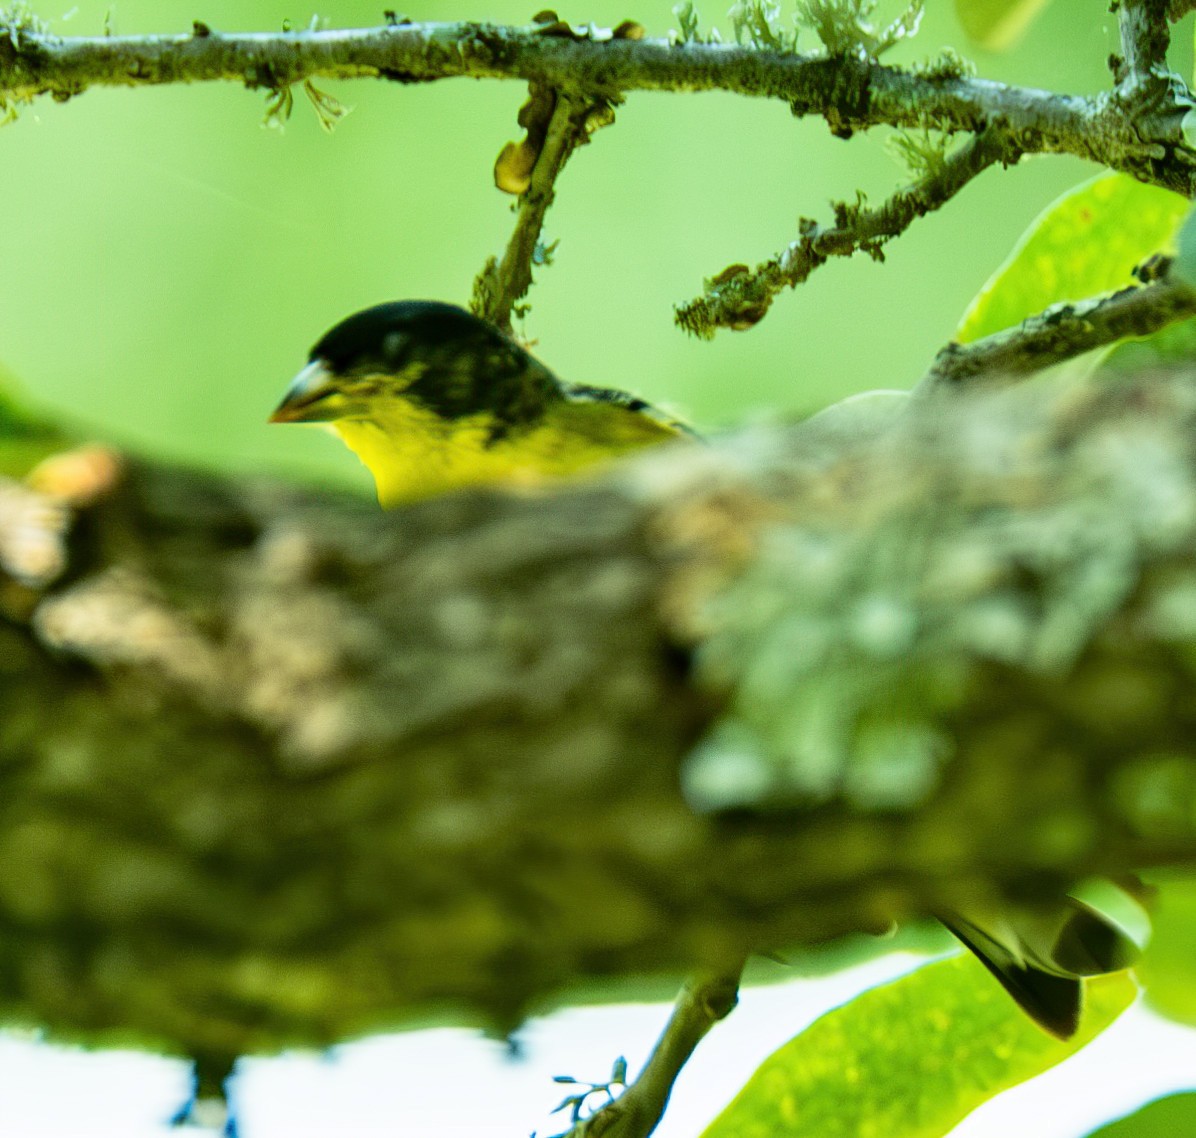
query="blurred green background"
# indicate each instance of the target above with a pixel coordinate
(168, 262)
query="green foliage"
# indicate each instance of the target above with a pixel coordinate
(1168, 967)
(1176, 343)
(909, 1059)
(845, 27)
(1085, 243)
(1164, 1118)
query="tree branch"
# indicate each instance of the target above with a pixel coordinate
(738, 297)
(568, 123)
(703, 1002)
(280, 769)
(1145, 35)
(1062, 332)
(853, 94)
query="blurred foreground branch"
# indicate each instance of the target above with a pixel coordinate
(278, 769)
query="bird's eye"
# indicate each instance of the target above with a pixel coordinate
(392, 347)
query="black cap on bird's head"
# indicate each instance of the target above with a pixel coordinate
(435, 355)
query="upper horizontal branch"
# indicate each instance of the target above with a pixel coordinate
(854, 93)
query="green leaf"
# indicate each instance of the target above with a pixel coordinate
(908, 1059)
(1168, 967)
(1176, 343)
(996, 24)
(1086, 242)
(1163, 1118)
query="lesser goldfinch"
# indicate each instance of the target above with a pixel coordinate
(432, 399)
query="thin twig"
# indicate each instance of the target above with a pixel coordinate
(1061, 333)
(738, 299)
(703, 1001)
(499, 286)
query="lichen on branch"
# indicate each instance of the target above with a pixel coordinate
(739, 297)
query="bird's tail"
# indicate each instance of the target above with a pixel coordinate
(1040, 958)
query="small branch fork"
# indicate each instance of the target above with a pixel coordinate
(738, 297)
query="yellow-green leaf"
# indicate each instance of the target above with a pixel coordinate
(1170, 1117)
(1168, 967)
(908, 1059)
(1085, 243)
(996, 24)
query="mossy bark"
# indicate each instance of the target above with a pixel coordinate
(276, 768)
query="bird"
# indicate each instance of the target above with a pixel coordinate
(433, 399)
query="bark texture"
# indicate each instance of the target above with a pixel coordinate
(276, 768)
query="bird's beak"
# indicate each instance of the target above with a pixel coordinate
(307, 399)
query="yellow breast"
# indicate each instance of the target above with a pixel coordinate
(414, 453)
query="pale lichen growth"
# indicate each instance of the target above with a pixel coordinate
(846, 27)
(329, 109)
(759, 23)
(922, 152)
(279, 105)
(18, 20)
(861, 627)
(947, 65)
(689, 27)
